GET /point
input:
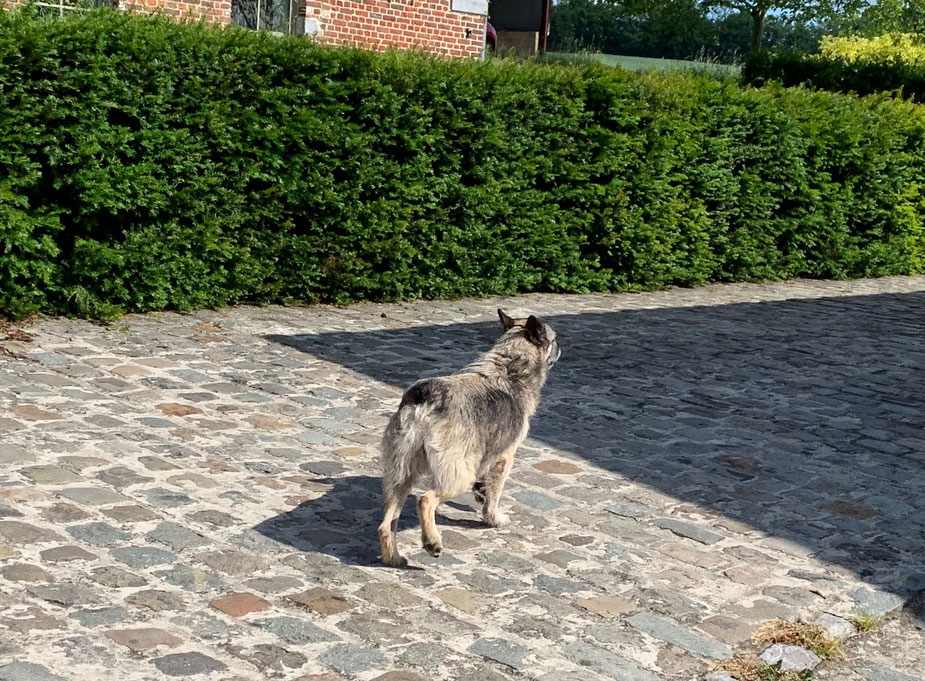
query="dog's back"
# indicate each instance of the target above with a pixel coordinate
(452, 429)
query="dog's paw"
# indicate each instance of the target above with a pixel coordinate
(396, 562)
(496, 519)
(478, 491)
(433, 548)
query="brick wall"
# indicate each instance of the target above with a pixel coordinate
(431, 25)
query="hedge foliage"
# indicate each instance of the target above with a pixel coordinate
(146, 165)
(902, 74)
(891, 48)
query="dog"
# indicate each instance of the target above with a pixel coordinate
(460, 431)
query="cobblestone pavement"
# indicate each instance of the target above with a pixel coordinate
(197, 494)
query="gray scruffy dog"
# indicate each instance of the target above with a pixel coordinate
(460, 431)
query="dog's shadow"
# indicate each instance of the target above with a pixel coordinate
(343, 521)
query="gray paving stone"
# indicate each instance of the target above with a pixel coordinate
(50, 475)
(191, 579)
(380, 628)
(8, 512)
(558, 557)
(274, 584)
(296, 631)
(66, 554)
(156, 600)
(424, 655)
(116, 577)
(16, 532)
(507, 561)
(386, 595)
(24, 572)
(100, 617)
(481, 672)
(98, 534)
(176, 537)
(65, 595)
(27, 671)
(666, 630)
(836, 626)
(121, 477)
(348, 658)
(270, 658)
(790, 658)
(485, 582)
(631, 510)
(689, 530)
(188, 664)
(12, 455)
(537, 500)
(878, 672)
(876, 603)
(214, 518)
(93, 496)
(143, 556)
(605, 663)
(446, 559)
(792, 595)
(130, 513)
(504, 652)
(557, 586)
(165, 498)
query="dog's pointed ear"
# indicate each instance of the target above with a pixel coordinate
(536, 332)
(506, 322)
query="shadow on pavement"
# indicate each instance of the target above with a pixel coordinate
(800, 418)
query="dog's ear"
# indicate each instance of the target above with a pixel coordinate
(506, 322)
(536, 332)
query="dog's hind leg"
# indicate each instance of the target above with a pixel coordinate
(492, 486)
(427, 510)
(394, 497)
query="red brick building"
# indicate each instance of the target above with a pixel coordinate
(454, 28)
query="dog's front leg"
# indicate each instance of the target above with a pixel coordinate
(492, 486)
(478, 491)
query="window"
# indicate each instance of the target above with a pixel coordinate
(276, 16)
(60, 7)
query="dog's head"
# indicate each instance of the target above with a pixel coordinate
(540, 336)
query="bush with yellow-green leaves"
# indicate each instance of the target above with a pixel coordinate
(890, 63)
(893, 48)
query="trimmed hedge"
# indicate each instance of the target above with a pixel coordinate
(147, 165)
(856, 76)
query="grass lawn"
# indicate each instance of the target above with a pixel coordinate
(649, 64)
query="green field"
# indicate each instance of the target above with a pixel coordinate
(649, 64)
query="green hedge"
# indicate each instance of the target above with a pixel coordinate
(860, 76)
(146, 165)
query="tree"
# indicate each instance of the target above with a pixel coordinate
(797, 10)
(892, 16)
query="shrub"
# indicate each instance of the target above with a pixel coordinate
(894, 48)
(848, 68)
(149, 165)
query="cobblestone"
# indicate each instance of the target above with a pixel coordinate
(703, 460)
